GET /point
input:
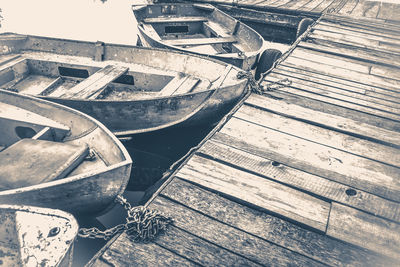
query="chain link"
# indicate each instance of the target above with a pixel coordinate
(141, 224)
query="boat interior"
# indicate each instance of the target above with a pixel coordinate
(57, 77)
(197, 28)
(47, 143)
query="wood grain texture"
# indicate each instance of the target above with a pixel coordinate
(321, 135)
(338, 71)
(124, 252)
(336, 96)
(301, 180)
(257, 191)
(374, 98)
(272, 229)
(364, 230)
(318, 159)
(230, 238)
(200, 251)
(326, 120)
(345, 84)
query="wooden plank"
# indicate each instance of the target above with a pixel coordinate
(200, 251)
(330, 121)
(124, 252)
(333, 28)
(356, 52)
(350, 28)
(330, 98)
(201, 41)
(321, 135)
(318, 186)
(348, 7)
(323, 6)
(149, 29)
(349, 91)
(4, 59)
(349, 75)
(332, 60)
(335, 110)
(366, 9)
(187, 86)
(356, 41)
(180, 19)
(270, 228)
(345, 84)
(230, 238)
(385, 72)
(95, 83)
(216, 29)
(364, 230)
(389, 11)
(257, 191)
(295, 4)
(331, 94)
(173, 85)
(361, 173)
(350, 40)
(310, 5)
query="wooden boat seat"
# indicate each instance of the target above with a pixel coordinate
(151, 31)
(95, 84)
(201, 41)
(179, 85)
(29, 162)
(174, 19)
(12, 117)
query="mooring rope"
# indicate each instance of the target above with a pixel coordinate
(141, 224)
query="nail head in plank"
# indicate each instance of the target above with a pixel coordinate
(317, 134)
(304, 181)
(364, 230)
(257, 191)
(275, 230)
(368, 175)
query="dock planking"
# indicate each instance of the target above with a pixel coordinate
(305, 175)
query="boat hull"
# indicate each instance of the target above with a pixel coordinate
(86, 191)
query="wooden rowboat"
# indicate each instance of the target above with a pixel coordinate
(129, 89)
(32, 236)
(201, 29)
(56, 157)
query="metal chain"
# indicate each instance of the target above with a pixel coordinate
(141, 224)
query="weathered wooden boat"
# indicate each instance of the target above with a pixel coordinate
(32, 236)
(202, 29)
(130, 89)
(56, 157)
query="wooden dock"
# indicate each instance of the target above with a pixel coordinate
(386, 10)
(305, 175)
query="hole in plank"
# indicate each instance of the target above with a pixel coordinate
(275, 163)
(177, 29)
(72, 72)
(24, 132)
(125, 79)
(351, 192)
